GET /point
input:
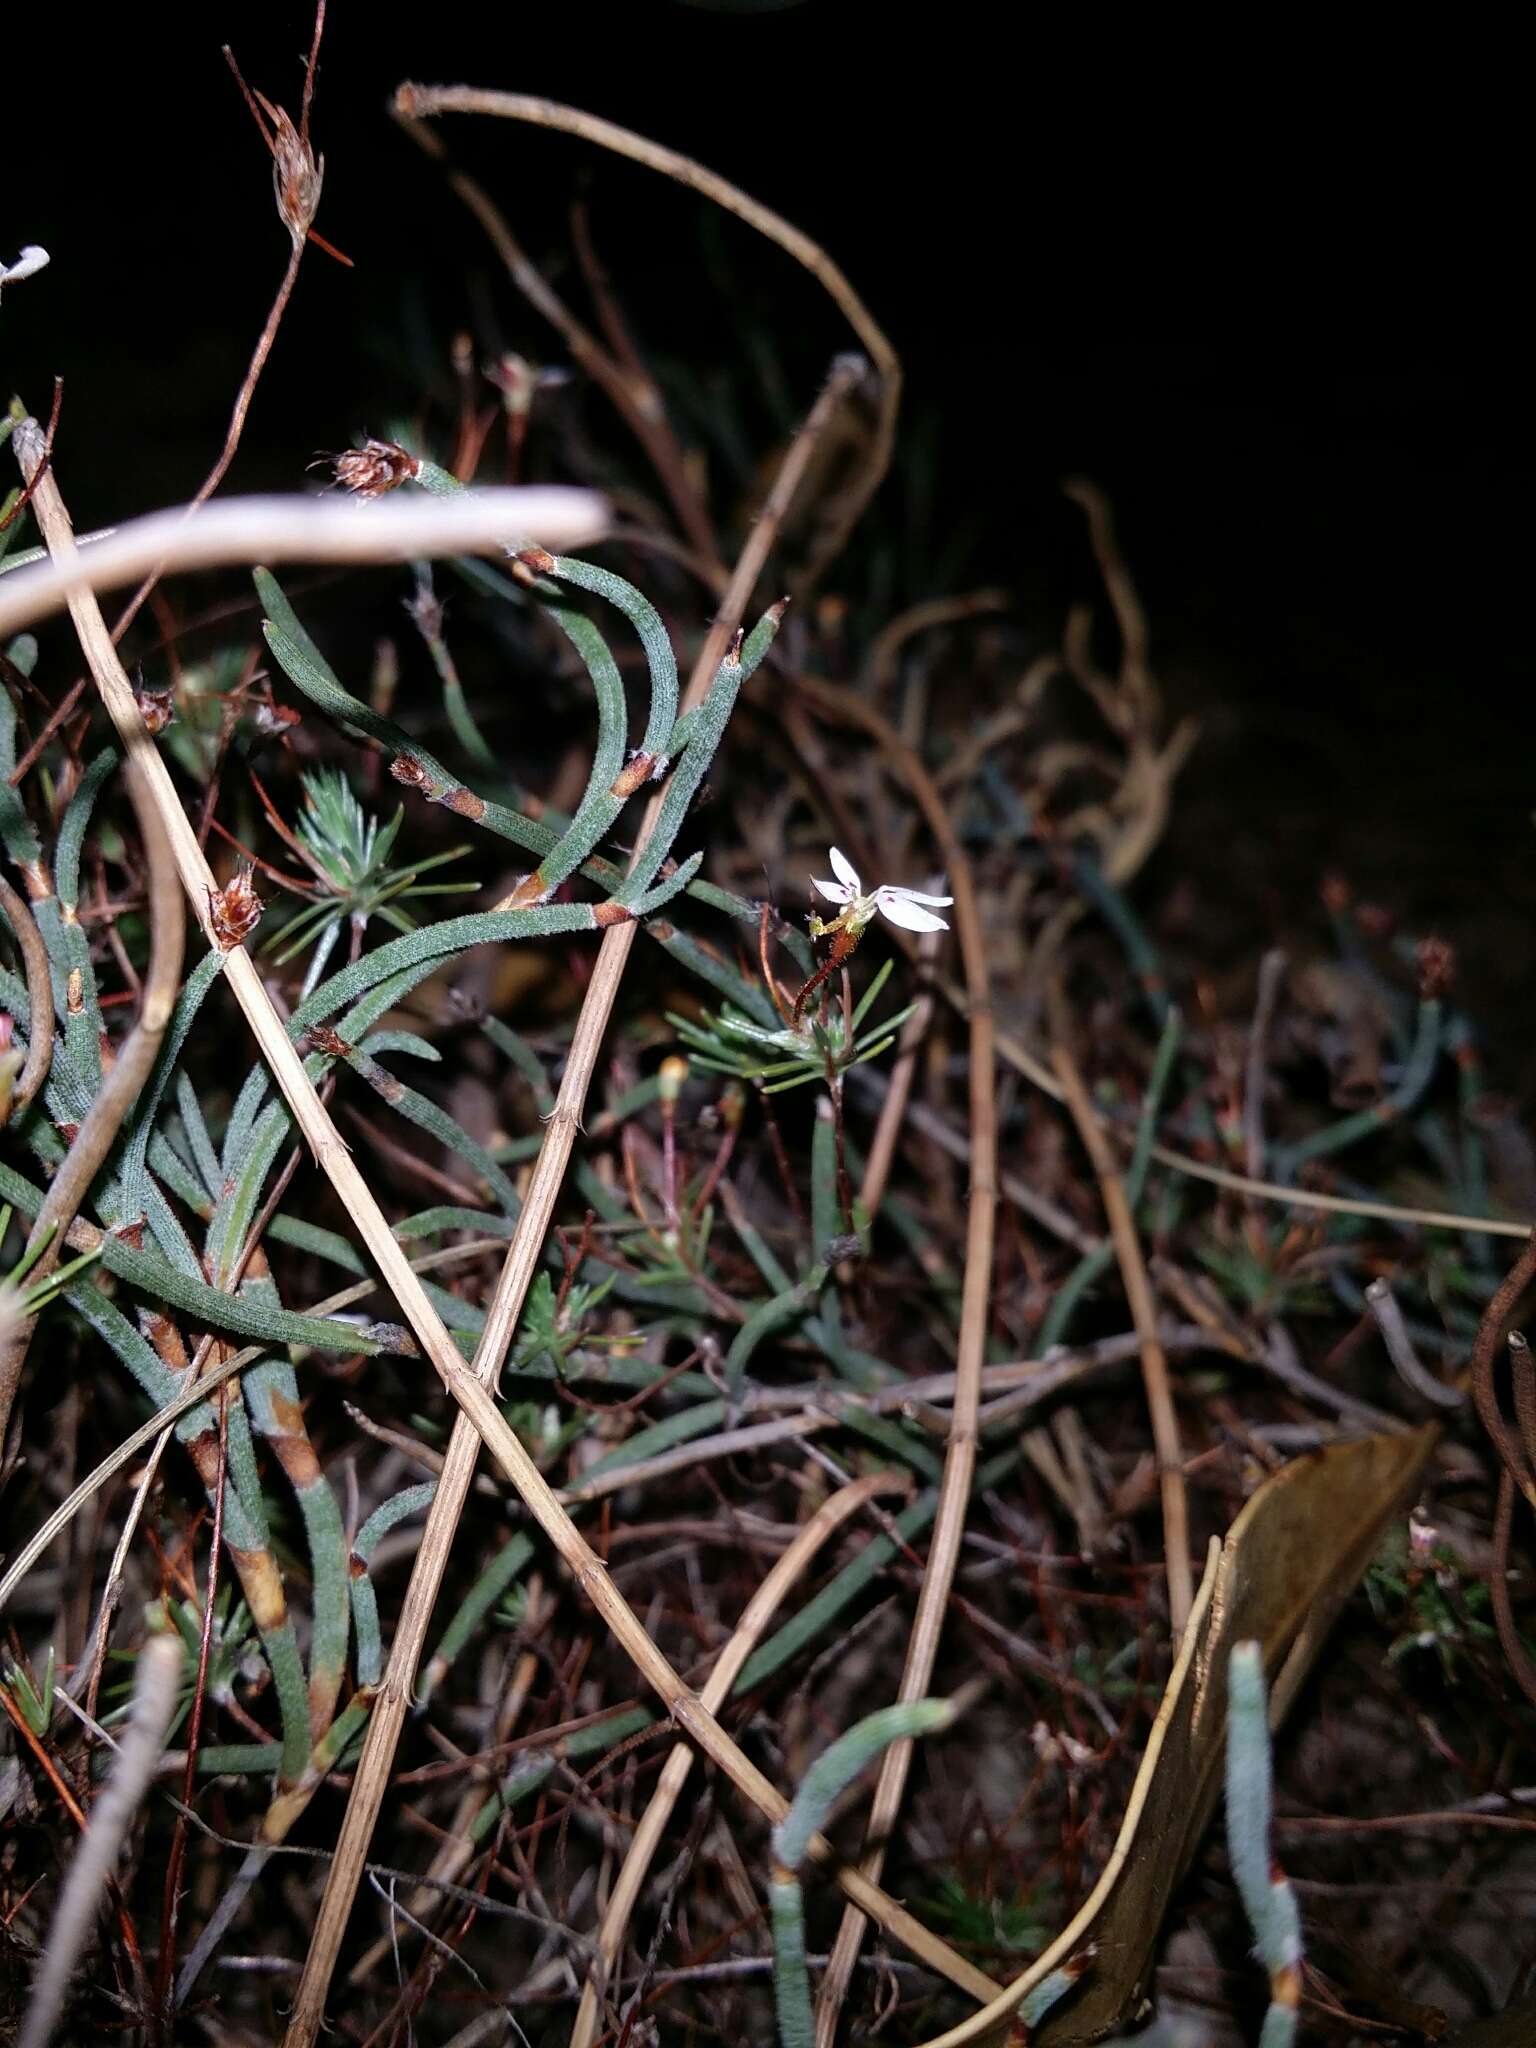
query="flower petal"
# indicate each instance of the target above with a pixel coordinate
(916, 896)
(897, 906)
(835, 892)
(845, 871)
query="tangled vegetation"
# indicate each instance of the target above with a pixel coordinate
(922, 1351)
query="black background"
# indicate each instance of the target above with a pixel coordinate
(1267, 289)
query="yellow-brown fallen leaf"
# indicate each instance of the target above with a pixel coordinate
(1289, 1562)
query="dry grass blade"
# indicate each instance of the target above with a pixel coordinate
(414, 103)
(243, 530)
(1138, 1293)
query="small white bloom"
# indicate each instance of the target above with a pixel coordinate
(904, 907)
(27, 264)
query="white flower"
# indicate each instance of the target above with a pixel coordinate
(27, 264)
(901, 906)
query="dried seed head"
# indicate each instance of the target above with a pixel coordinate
(157, 708)
(297, 174)
(376, 467)
(234, 911)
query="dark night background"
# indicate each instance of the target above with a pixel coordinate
(1265, 291)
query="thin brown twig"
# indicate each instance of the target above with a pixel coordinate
(1485, 1348)
(473, 1388)
(908, 767)
(636, 403)
(1272, 970)
(1138, 1293)
(414, 103)
(881, 1155)
(242, 407)
(243, 398)
(880, 663)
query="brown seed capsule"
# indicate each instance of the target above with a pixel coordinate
(296, 172)
(234, 911)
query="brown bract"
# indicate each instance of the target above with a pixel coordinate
(234, 911)
(376, 467)
(157, 708)
(297, 174)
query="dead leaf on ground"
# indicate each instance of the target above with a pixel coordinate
(1289, 1562)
